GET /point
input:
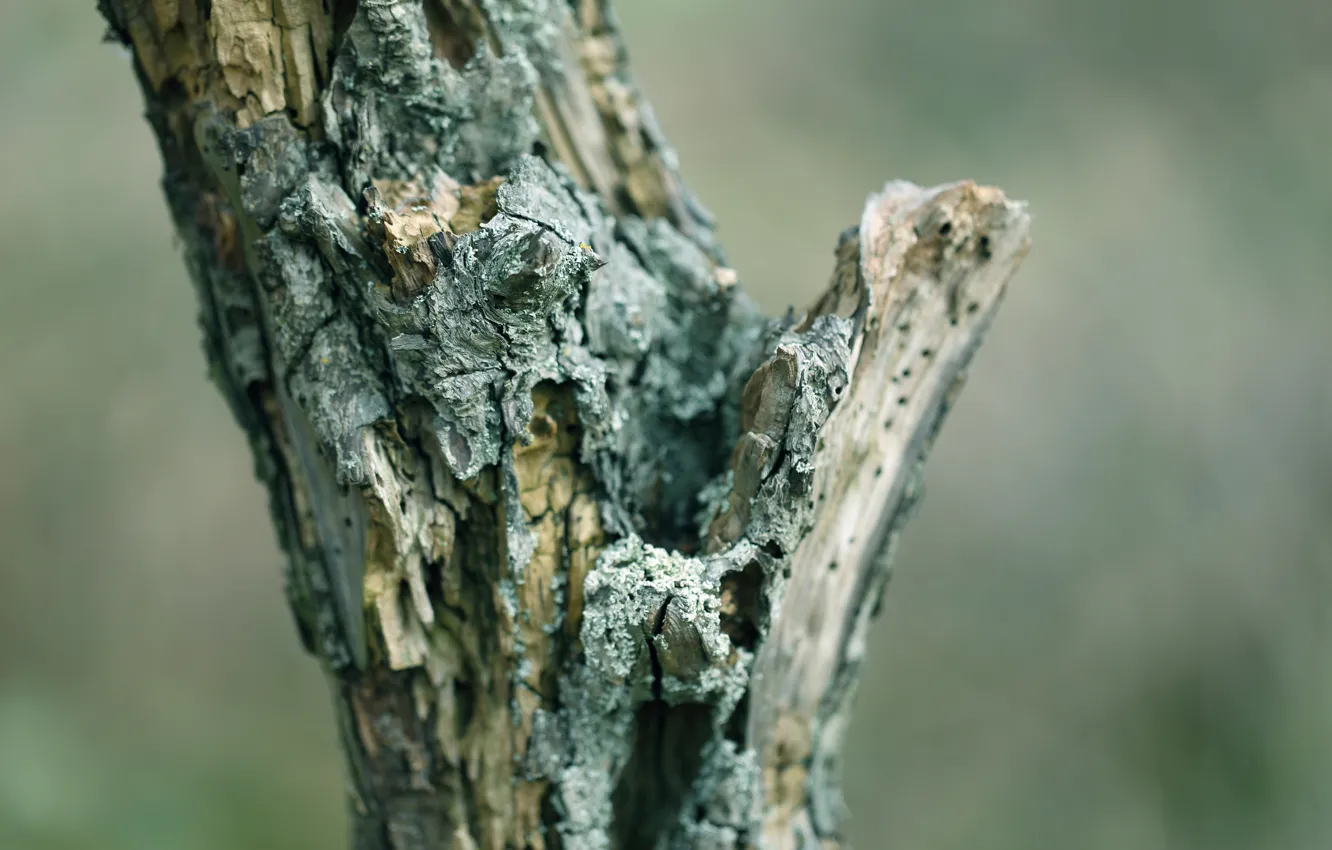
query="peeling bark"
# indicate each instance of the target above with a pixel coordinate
(587, 548)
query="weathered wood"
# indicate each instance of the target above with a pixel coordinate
(586, 547)
(920, 285)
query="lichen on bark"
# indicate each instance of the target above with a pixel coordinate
(564, 514)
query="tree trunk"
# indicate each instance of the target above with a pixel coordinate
(587, 548)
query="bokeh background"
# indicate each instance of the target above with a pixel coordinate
(1109, 625)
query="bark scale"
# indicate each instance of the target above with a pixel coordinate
(587, 548)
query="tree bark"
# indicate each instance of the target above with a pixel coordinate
(587, 548)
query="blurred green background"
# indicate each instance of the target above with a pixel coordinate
(1109, 625)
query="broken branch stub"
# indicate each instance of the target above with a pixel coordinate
(587, 547)
(929, 269)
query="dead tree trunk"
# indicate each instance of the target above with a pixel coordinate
(587, 548)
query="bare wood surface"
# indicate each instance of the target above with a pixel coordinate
(922, 287)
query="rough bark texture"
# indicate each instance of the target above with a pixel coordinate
(587, 547)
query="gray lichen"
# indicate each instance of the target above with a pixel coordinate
(394, 107)
(372, 405)
(631, 314)
(652, 632)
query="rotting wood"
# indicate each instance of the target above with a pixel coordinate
(587, 548)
